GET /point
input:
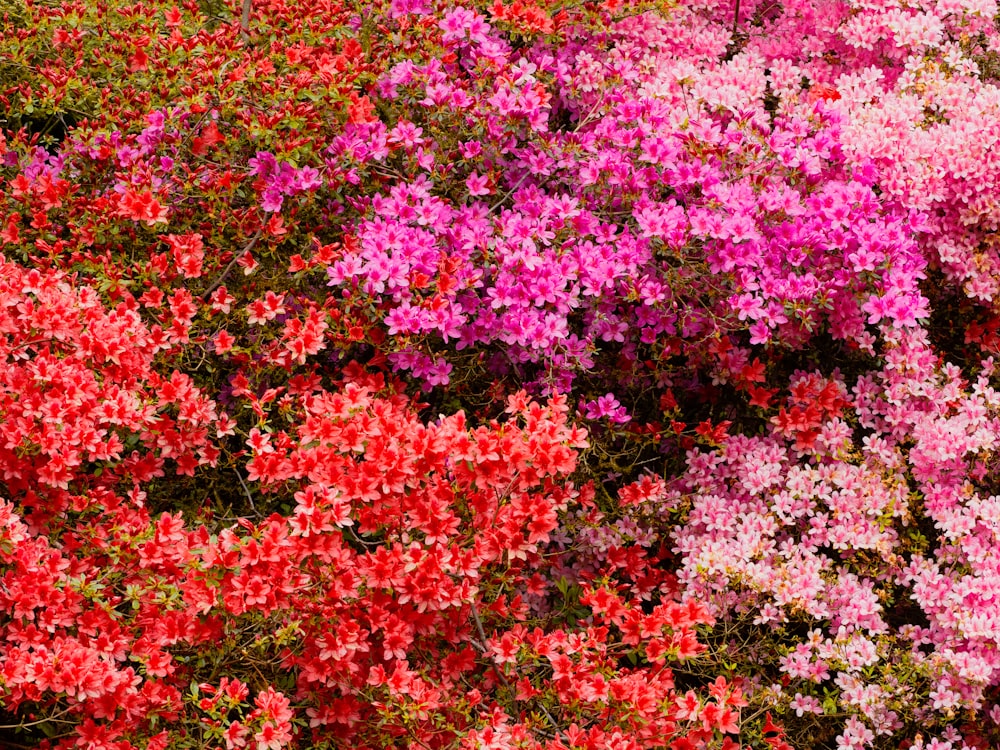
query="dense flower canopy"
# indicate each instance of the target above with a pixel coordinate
(541, 374)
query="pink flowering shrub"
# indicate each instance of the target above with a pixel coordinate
(652, 218)
(858, 547)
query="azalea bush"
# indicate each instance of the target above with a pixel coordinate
(499, 375)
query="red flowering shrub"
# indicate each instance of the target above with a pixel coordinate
(383, 607)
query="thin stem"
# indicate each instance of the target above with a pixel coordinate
(246, 490)
(222, 277)
(54, 717)
(587, 117)
(510, 192)
(245, 20)
(496, 670)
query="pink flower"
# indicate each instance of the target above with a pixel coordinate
(235, 735)
(477, 185)
(271, 737)
(803, 704)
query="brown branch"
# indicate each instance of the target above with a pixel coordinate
(222, 277)
(500, 674)
(245, 20)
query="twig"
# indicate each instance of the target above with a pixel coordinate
(496, 670)
(246, 490)
(56, 717)
(509, 193)
(222, 277)
(245, 20)
(482, 633)
(587, 117)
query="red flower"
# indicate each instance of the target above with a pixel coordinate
(208, 138)
(142, 207)
(822, 91)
